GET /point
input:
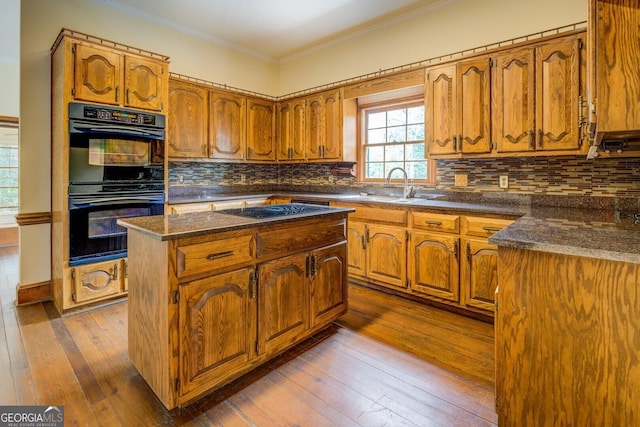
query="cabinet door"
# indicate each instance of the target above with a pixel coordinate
(514, 113)
(474, 106)
(479, 275)
(284, 131)
(433, 265)
(332, 149)
(145, 83)
(217, 328)
(328, 284)
(96, 281)
(261, 130)
(227, 132)
(97, 74)
(557, 91)
(298, 132)
(440, 110)
(357, 248)
(386, 254)
(283, 303)
(314, 126)
(187, 121)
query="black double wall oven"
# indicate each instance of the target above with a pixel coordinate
(116, 170)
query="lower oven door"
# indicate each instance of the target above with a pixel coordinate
(94, 234)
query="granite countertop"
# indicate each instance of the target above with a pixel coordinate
(582, 226)
(171, 227)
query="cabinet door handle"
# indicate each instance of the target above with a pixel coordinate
(212, 257)
(115, 272)
(126, 93)
(491, 229)
(455, 143)
(117, 92)
(469, 252)
(313, 265)
(252, 284)
(531, 139)
(539, 138)
(366, 235)
(455, 249)
(432, 222)
(364, 244)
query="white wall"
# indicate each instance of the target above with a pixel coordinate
(9, 58)
(457, 25)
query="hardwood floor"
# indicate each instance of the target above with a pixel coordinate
(388, 362)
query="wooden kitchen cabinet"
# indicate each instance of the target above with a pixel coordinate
(96, 281)
(386, 254)
(458, 107)
(613, 64)
(291, 130)
(183, 208)
(111, 76)
(433, 264)
(357, 253)
(187, 120)
(545, 82)
(328, 298)
(227, 118)
(478, 270)
(310, 128)
(261, 130)
(217, 325)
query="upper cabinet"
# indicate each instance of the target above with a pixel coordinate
(310, 128)
(208, 124)
(110, 76)
(522, 101)
(614, 61)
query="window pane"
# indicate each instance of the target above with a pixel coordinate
(9, 197)
(394, 153)
(415, 132)
(377, 136)
(396, 174)
(397, 117)
(415, 115)
(375, 170)
(415, 151)
(417, 170)
(375, 154)
(8, 177)
(377, 120)
(397, 134)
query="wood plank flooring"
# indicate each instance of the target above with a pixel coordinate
(388, 362)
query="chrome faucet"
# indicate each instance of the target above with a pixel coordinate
(409, 190)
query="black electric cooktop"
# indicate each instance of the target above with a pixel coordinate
(272, 211)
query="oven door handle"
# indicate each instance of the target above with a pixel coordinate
(90, 203)
(80, 128)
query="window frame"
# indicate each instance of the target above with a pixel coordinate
(387, 105)
(11, 123)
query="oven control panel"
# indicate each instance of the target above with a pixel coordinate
(105, 114)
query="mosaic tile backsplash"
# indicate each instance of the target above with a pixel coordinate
(533, 175)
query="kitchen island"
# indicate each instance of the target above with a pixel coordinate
(212, 295)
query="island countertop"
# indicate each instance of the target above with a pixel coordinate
(170, 227)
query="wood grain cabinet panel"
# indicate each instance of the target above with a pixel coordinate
(357, 248)
(328, 271)
(187, 120)
(386, 254)
(441, 106)
(217, 328)
(227, 117)
(433, 261)
(109, 76)
(261, 130)
(96, 281)
(474, 106)
(214, 255)
(479, 274)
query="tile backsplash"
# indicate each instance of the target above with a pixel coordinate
(531, 175)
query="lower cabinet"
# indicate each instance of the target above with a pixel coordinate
(217, 326)
(433, 265)
(98, 281)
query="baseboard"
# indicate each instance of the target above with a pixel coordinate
(35, 292)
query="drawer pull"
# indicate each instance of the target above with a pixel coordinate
(212, 257)
(491, 229)
(430, 222)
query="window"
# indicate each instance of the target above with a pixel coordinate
(393, 136)
(8, 170)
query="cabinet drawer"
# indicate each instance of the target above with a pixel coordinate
(388, 216)
(213, 255)
(483, 227)
(95, 281)
(299, 238)
(435, 222)
(190, 207)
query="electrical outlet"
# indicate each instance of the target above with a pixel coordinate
(242, 178)
(504, 181)
(181, 179)
(460, 180)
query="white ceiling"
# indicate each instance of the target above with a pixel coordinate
(275, 29)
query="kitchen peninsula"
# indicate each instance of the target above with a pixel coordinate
(212, 295)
